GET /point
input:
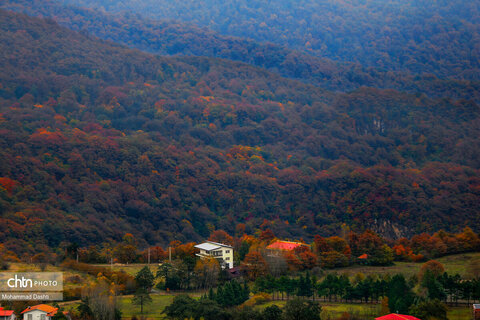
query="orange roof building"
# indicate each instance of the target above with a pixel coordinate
(6, 314)
(395, 316)
(285, 245)
(38, 311)
(363, 256)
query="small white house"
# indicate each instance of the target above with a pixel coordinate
(219, 251)
(39, 312)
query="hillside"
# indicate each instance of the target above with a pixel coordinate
(168, 37)
(434, 37)
(98, 139)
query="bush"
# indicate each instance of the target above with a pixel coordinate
(302, 309)
(72, 293)
(429, 310)
(258, 298)
(125, 282)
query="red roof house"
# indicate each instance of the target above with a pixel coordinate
(6, 314)
(396, 316)
(285, 245)
(476, 311)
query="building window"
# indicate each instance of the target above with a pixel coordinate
(228, 251)
(227, 258)
(42, 317)
(29, 317)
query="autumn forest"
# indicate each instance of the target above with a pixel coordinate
(113, 123)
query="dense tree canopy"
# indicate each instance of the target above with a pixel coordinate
(168, 37)
(97, 139)
(436, 37)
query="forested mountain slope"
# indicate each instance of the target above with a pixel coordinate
(168, 37)
(97, 139)
(422, 36)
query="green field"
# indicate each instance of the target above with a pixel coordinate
(453, 264)
(131, 269)
(151, 311)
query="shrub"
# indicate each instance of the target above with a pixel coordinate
(258, 298)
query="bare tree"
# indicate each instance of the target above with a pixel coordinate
(101, 297)
(277, 264)
(206, 272)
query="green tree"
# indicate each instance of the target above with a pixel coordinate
(208, 310)
(429, 309)
(272, 313)
(145, 281)
(400, 295)
(183, 306)
(164, 270)
(246, 313)
(434, 288)
(141, 298)
(301, 309)
(305, 286)
(84, 309)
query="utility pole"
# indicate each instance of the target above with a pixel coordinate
(170, 254)
(148, 255)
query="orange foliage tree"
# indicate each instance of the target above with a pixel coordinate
(254, 265)
(221, 236)
(435, 267)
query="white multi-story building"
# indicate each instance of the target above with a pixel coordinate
(219, 251)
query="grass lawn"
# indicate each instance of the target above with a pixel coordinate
(151, 311)
(333, 310)
(453, 264)
(459, 313)
(458, 263)
(131, 269)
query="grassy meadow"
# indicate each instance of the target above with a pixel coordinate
(151, 311)
(457, 263)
